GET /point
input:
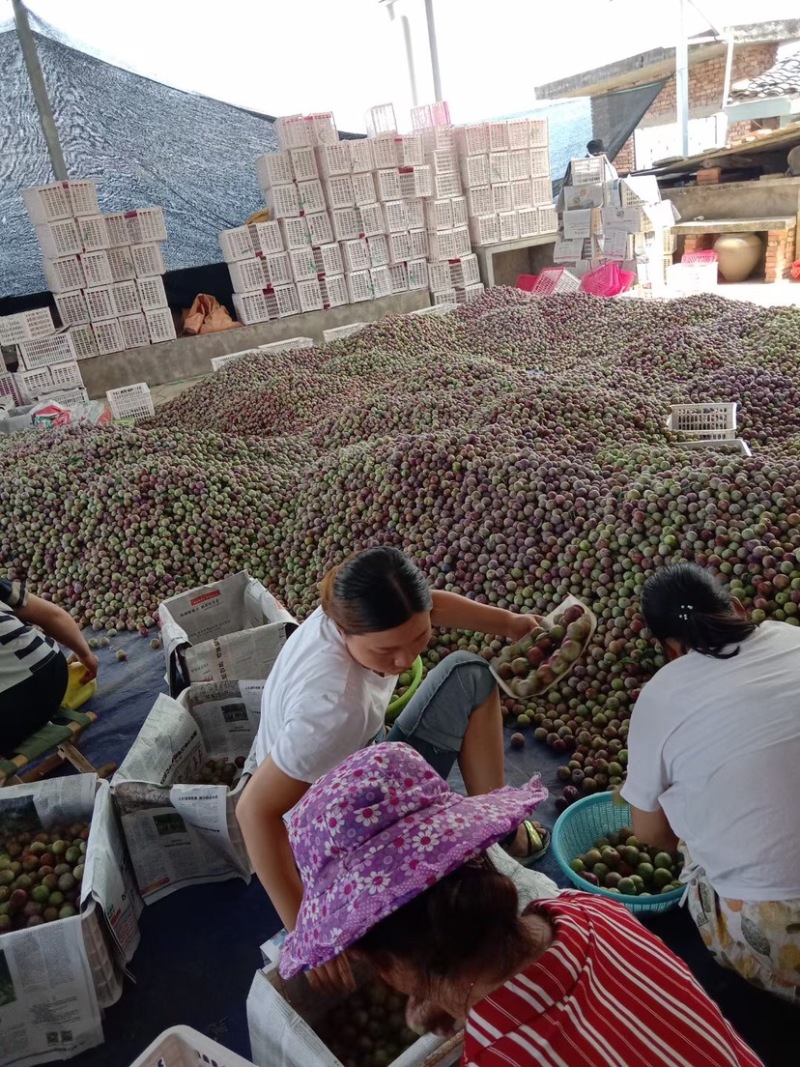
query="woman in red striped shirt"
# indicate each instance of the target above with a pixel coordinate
(395, 871)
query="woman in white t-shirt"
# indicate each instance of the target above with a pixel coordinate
(713, 757)
(327, 694)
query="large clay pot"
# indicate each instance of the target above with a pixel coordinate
(738, 255)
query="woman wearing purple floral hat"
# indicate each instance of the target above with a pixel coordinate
(395, 872)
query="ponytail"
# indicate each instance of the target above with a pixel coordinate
(374, 591)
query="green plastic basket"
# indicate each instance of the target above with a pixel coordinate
(578, 828)
(397, 705)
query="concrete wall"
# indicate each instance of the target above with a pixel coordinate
(187, 357)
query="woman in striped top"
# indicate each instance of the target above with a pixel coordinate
(33, 671)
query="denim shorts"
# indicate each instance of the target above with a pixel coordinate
(436, 718)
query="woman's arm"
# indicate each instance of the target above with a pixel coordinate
(452, 611)
(267, 797)
(57, 624)
(653, 828)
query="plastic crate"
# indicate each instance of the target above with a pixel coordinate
(603, 280)
(528, 221)
(439, 276)
(484, 230)
(479, 201)
(131, 402)
(283, 201)
(328, 259)
(518, 133)
(442, 244)
(360, 155)
(388, 185)
(47, 203)
(285, 301)
(147, 260)
(293, 131)
(445, 161)
(100, 302)
(417, 182)
(295, 232)
(378, 250)
(464, 272)
(180, 1046)
(340, 192)
(277, 269)
(498, 137)
(417, 274)
(72, 308)
(381, 120)
(135, 333)
(415, 213)
(151, 293)
(236, 244)
(587, 170)
(460, 212)
(556, 280)
(94, 232)
(395, 216)
(521, 193)
(399, 276)
(160, 325)
(117, 229)
(108, 336)
(386, 151)
(470, 293)
(311, 196)
(475, 171)
(64, 274)
(444, 298)
(309, 295)
(304, 164)
(538, 133)
(320, 230)
(540, 163)
(359, 286)
(334, 290)
(9, 387)
(708, 256)
(542, 192)
(412, 150)
(146, 224)
(473, 140)
(323, 128)
(304, 264)
(68, 397)
(218, 362)
(252, 307)
(364, 189)
(334, 159)
(44, 351)
(446, 185)
(399, 249)
(715, 421)
(84, 342)
(347, 223)
(692, 276)
(289, 344)
(60, 238)
(577, 829)
(355, 255)
(337, 333)
(499, 169)
(248, 274)
(26, 326)
(66, 375)
(501, 197)
(417, 244)
(33, 383)
(266, 237)
(548, 219)
(439, 214)
(119, 262)
(274, 168)
(438, 139)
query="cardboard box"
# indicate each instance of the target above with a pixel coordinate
(577, 223)
(568, 251)
(575, 197)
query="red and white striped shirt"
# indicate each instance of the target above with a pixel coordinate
(606, 992)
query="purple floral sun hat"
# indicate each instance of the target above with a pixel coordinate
(377, 831)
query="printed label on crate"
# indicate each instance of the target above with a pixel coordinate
(615, 244)
(577, 223)
(567, 251)
(582, 196)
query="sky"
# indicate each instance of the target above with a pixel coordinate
(348, 55)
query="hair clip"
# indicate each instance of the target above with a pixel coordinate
(685, 612)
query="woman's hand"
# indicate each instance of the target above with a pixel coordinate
(424, 1017)
(90, 665)
(520, 626)
(334, 977)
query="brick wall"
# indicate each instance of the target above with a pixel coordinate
(778, 256)
(625, 160)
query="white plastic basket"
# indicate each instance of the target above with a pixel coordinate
(131, 402)
(412, 150)
(339, 332)
(134, 329)
(399, 276)
(334, 159)
(66, 375)
(445, 185)
(415, 213)
(518, 133)
(417, 244)
(248, 274)
(311, 196)
(445, 161)
(274, 168)
(339, 191)
(59, 238)
(399, 248)
(364, 189)
(484, 230)
(498, 167)
(84, 343)
(146, 224)
(236, 244)
(713, 421)
(68, 397)
(498, 136)
(218, 362)
(97, 268)
(117, 229)
(417, 274)
(347, 223)
(355, 255)
(47, 203)
(309, 295)
(464, 272)
(147, 260)
(283, 201)
(151, 293)
(323, 128)
(266, 237)
(304, 164)
(108, 336)
(442, 244)
(417, 181)
(100, 302)
(519, 165)
(528, 221)
(480, 201)
(541, 192)
(395, 216)
(160, 325)
(320, 230)
(460, 212)
(334, 290)
(360, 155)
(72, 308)
(508, 225)
(470, 293)
(538, 133)
(94, 232)
(444, 297)
(388, 183)
(287, 345)
(328, 259)
(548, 219)
(293, 132)
(64, 275)
(295, 232)
(304, 265)
(33, 383)
(378, 250)
(127, 299)
(473, 140)
(387, 151)
(120, 264)
(381, 120)
(381, 279)
(26, 326)
(439, 276)
(45, 351)
(501, 197)
(540, 163)
(359, 286)
(439, 214)
(285, 300)
(522, 193)
(252, 307)
(277, 269)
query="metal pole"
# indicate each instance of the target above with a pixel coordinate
(437, 80)
(726, 85)
(682, 80)
(412, 74)
(36, 78)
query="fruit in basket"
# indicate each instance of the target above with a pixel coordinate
(530, 667)
(45, 882)
(368, 1028)
(614, 862)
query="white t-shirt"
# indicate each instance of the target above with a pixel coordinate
(716, 743)
(319, 705)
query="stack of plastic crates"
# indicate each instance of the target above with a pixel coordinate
(710, 425)
(132, 402)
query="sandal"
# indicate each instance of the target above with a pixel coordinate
(538, 843)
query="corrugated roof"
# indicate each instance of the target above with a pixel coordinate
(782, 79)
